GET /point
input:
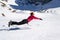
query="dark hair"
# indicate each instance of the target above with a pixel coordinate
(31, 13)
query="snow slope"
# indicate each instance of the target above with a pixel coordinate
(47, 29)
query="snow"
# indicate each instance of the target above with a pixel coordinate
(46, 29)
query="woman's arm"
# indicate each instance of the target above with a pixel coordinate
(37, 18)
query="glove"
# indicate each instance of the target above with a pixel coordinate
(41, 19)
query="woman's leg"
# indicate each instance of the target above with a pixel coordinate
(12, 23)
(18, 23)
(23, 22)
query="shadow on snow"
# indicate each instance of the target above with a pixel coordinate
(14, 29)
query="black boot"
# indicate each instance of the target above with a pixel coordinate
(9, 23)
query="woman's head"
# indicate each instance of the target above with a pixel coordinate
(31, 13)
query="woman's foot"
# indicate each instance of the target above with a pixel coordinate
(9, 23)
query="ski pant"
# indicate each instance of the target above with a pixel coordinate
(24, 21)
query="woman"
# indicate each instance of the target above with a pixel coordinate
(24, 21)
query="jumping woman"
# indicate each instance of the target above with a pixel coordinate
(24, 21)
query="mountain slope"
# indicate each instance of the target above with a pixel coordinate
(47, 29)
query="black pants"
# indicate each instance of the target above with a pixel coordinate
(25, 21)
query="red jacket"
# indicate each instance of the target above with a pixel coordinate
(32, 17)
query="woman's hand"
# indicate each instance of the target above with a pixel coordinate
(41, 19)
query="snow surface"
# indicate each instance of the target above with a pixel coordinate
(46, 29)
